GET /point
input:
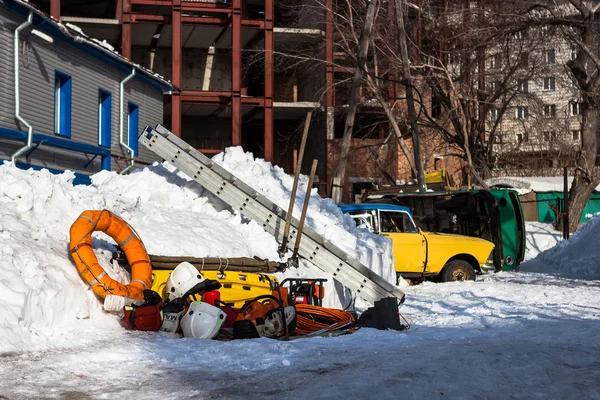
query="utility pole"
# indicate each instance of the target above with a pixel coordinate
(410, 99)
(339, 176)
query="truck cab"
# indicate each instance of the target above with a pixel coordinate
(423, 255)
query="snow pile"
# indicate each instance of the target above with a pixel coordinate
(574, 258)
(44, 301)
(323, 215)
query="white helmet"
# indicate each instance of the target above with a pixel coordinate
(182, 280)
(202, 320)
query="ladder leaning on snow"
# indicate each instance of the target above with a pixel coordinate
(241, 197)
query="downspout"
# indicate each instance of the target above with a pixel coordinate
(121, 141)
(23, 149)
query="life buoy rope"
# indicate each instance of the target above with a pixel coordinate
(126, 237)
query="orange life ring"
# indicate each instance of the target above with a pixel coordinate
(87, 264)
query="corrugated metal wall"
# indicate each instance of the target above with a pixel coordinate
(38, 62)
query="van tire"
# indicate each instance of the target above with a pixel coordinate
(458, 270)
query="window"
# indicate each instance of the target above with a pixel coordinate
(453, 58)
(363, 221)
(133, 123)
(62, 104)
(523, 86)
(104, 118)
(495, 86)
(574, 53)
(550, 110)
(498, 139)
(549, 83)
(496, 61)
(520, 35)
(576, 134)
(523, 137)
(393, 221)
(576, 108)
(550, 56)
(436, 107)
(493, 114)
(549, 136)
(429, 60)
(522, 112)
(524, 59)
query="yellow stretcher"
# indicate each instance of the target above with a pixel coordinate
(236, 287)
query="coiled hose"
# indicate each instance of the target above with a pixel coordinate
(314, 318)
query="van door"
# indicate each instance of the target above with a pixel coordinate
(408, 243)
(520, 220)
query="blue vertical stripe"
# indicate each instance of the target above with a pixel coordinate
(62, 104)
(133, 126)
(104, 118)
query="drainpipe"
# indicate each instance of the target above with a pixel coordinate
(17, 90)
(121, 98)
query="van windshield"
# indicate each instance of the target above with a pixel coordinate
(396, 221)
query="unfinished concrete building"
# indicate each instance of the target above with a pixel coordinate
(246, 72)
(220, 57)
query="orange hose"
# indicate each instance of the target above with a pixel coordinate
(314, 318)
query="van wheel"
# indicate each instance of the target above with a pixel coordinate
(458, 270)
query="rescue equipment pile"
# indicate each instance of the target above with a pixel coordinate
(230, 304)
(193, 308)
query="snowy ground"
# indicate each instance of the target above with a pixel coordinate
(512, 335)
(531, 334)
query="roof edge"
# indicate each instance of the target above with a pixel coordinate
(78, 37)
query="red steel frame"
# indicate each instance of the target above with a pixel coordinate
(234, 11)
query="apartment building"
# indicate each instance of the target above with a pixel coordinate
(541, 127)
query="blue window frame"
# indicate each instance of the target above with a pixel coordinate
(62, 104)
(104, 118)
(133, 123)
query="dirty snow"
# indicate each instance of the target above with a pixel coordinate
(508, 335)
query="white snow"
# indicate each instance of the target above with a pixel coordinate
(524, 185)
(508, 335)
(40, 290)
(75, 28)
(578, 257)
(540, 236)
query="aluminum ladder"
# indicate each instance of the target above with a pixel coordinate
(253, 205)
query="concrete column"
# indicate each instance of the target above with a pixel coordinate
(236, 73)
(176, 66)
(268, 80)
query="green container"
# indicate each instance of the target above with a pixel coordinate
(547, 200)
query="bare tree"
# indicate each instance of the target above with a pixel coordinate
(361, 61)
(470, 63)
